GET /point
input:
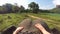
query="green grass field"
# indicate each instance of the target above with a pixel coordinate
(7, 20)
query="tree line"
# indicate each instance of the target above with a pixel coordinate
(32, 8)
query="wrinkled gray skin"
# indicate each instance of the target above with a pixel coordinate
(29, 27)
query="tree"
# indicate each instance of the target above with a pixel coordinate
(3, 10)
(34, 7)
(15, 8)
(21, 9)
(8, 7)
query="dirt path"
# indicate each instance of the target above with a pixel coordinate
(45, 20)
(39, 18)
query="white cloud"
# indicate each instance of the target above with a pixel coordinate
(19, 2)
(56, 2)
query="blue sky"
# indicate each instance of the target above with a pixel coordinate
(43, 4)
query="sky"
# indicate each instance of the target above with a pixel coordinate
(43, 4)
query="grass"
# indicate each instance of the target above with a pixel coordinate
(55, 19)
(7, 20)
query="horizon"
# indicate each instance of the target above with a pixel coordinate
(43, 4)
